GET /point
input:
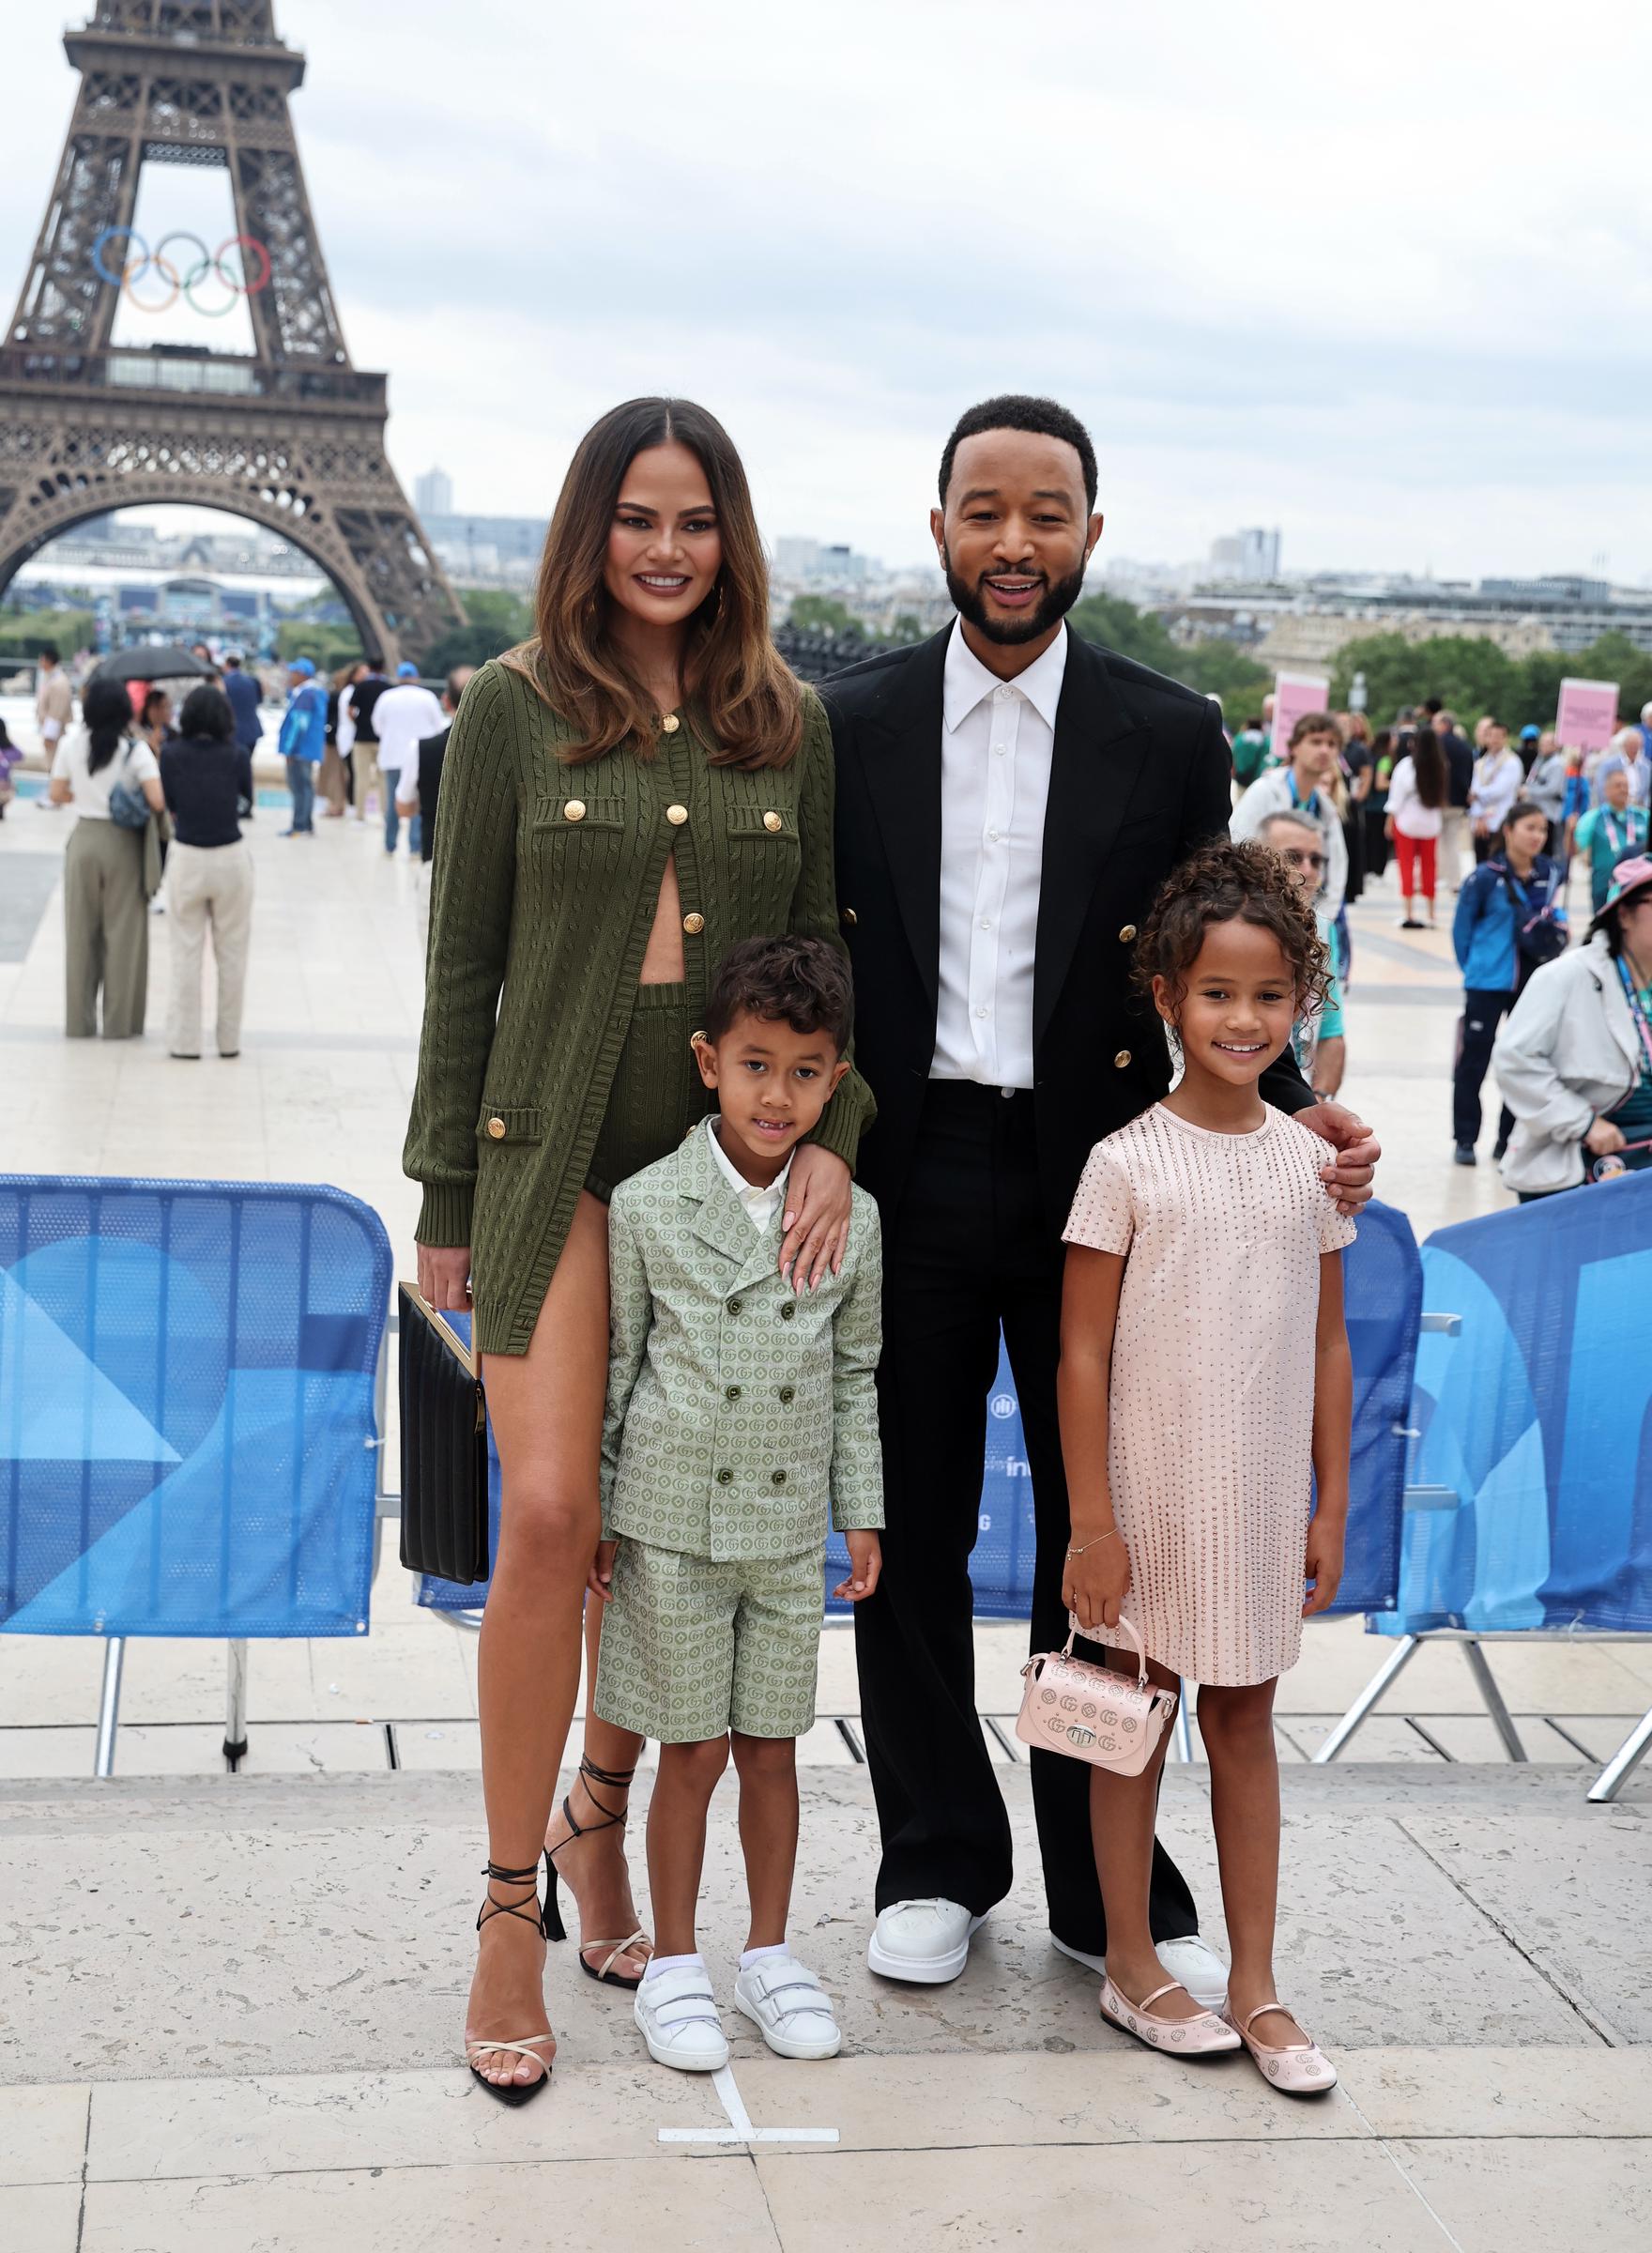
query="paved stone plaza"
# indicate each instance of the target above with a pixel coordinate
(228, 2006)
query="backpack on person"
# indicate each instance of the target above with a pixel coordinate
(1539, 932)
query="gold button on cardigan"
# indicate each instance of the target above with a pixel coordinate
(538, 919)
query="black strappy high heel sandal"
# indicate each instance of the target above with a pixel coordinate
(511, 2092)
(555, 1928)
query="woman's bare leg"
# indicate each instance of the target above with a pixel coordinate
(546, 1408)
(1237, 1727)
(595, 1868)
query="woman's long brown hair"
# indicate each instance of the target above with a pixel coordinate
(731, 669)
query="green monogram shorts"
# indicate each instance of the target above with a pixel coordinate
(692, 1649)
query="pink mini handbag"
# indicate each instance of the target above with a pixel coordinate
(1094, 1713)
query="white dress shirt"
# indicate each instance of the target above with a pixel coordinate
(759, 1205)
(996, 741)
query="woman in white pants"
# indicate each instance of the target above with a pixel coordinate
(204, 774)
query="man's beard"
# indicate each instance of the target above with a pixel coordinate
(1058, 599)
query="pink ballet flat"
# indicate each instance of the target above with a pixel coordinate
(1200, 2037)
(1300, 2068)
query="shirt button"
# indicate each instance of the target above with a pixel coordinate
(778, 1478)
(676, 815)
(788, 1394)
(731, 1392)
(573, 810)
(1128, 934)
(670, 723)
(998, 749)
(772, 820)
(694, 924)
(789, 1312)
(724, 1477)
(1002, 695)
(1121, 1060)
(981, 1013)
(734, 1305)
(496, 1129)
(985, 925)
(992, 835)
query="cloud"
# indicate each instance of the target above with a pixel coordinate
(1381, 280)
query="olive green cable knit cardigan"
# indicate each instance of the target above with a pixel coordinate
(544, 888)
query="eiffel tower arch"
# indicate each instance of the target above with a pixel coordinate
(291, 436)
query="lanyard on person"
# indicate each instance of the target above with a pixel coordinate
(1614, 836)
(1311, 804)
(1638, 1012)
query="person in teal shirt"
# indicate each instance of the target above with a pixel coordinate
(1611, 831)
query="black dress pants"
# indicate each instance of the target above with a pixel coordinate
(1483, 1011)
(970, 1250)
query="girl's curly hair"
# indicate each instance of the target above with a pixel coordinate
(1226, 882)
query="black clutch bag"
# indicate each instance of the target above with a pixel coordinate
(444, 1448)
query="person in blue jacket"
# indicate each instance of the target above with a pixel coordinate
(1511, 919)
(303, 742)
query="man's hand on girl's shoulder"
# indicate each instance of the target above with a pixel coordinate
(1348, 1179)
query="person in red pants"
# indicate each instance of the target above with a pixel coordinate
(1417, 813)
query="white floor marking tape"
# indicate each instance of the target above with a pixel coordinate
(740, 2128)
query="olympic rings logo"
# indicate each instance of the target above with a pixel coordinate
(241, 265)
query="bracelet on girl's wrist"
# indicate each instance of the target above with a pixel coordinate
(1110, 1533)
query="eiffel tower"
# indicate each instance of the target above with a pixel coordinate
(291, 436)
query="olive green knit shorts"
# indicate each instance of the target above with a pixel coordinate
(657, 1093)
(692, 1649)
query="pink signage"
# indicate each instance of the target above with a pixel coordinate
(1294, 695)
(1587, 717)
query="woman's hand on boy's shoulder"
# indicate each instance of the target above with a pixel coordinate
(1350, 1177)
(819, 1195)
(866, 1565)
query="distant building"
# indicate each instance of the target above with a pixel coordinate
(433, 495)
(477, 550)
(1259, 554)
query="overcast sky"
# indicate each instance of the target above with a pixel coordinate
(1382, 277)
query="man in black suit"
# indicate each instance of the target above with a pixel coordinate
(1009, 800)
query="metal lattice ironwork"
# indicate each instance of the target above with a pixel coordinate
(292, 436)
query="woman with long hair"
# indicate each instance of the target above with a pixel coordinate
(105, 915)
(625, 797)
(1416, 815)
(154, 718)
(207, 775)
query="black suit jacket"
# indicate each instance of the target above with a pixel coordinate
(1139, 777)
(433, 749)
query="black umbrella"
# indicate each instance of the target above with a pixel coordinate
(171, 664)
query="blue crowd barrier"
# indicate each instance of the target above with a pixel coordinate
(187, 1407)
(1535, 1421)
(1383, 1287)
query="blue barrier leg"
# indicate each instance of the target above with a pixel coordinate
(1390, 1671)
(109, 1705)
(235, 1725)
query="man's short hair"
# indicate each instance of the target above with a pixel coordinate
(1313, 722)
(1018, 410)
(1291, 819)
(50, 651)
(804, 982)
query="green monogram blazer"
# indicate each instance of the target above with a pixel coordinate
(544, 887)
(738, 1410)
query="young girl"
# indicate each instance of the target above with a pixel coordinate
(1198, 1388)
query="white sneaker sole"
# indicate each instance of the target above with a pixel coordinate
(921, 1971)
(783, 2045)
(1209, 2000)
(681, 2061)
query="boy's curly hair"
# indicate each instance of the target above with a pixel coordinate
(1227, 882)
(802, 982)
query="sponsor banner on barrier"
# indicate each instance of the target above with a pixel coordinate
(1537, 1417)
(187, 1378)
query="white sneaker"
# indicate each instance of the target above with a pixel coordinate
(788, 2007)
(925, 1941)
(678, 2015)
(1196, 1965)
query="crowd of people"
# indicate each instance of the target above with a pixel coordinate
(1498, 822)
(163, 772)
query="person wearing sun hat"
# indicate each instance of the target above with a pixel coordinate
(1574, 1057)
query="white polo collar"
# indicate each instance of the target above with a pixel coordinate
(968, 682)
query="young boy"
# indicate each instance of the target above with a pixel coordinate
(739, 1408)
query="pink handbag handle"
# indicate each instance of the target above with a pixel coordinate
(1099, 1634)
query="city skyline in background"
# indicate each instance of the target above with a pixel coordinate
(1436, 379)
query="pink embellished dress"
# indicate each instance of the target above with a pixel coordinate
(1209, 1454)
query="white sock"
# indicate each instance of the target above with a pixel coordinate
(657, 1964)
(756, 1956)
